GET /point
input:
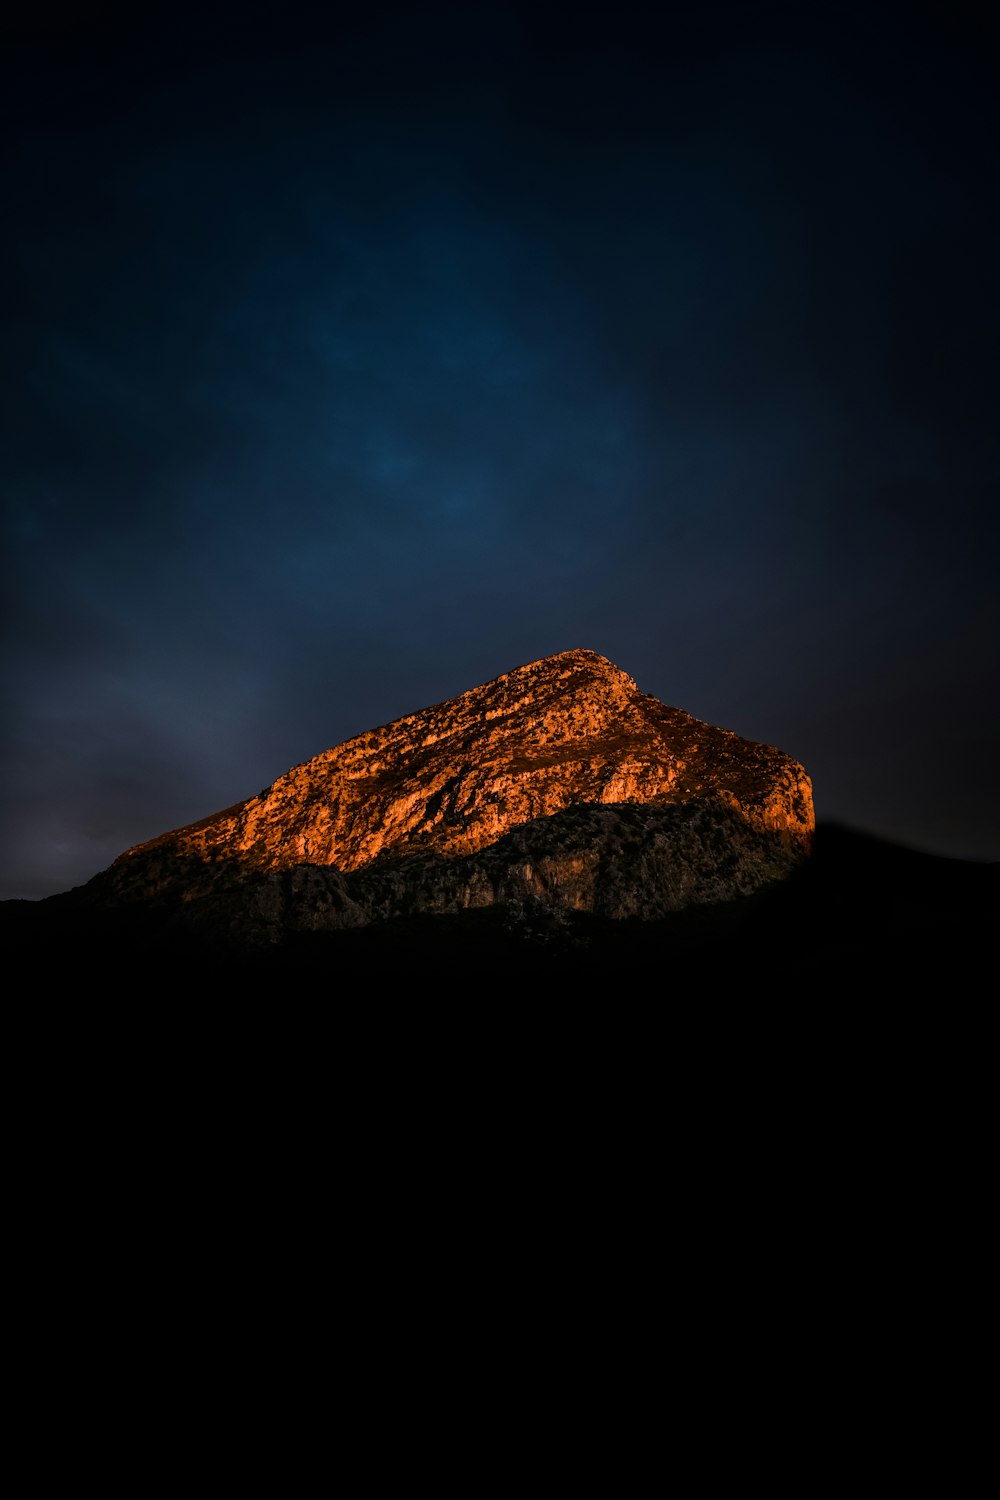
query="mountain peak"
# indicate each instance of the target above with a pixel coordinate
(577, 658)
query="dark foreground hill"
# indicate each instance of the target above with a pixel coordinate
(857, 912)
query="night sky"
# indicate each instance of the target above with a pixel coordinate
(352, 361)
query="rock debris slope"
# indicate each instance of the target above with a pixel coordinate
(557, 782)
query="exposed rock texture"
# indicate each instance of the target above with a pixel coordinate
(617, 862)
(558, 783)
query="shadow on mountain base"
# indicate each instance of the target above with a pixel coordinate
(857, 909)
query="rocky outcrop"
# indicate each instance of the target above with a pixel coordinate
(558, 783)
(567, 732)
(615, 862)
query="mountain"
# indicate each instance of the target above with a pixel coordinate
(558, 784)
(451, 780)
(555, 818)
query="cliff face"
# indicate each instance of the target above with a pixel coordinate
(455, 806)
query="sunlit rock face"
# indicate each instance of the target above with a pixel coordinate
(442, 809)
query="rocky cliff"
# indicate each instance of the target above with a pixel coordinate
(558, 784)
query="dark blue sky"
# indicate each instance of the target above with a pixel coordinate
(353, 361)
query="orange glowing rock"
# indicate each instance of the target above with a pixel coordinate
(571, 731)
